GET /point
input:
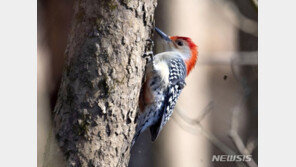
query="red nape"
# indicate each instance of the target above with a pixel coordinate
(194, 53)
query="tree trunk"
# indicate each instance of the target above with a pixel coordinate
(95, 112)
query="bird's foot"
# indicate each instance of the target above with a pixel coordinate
(148, 55)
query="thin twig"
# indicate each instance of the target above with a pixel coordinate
(236, 138)
(251, 145)
(212, 138)
(196, 123)
(206, 111)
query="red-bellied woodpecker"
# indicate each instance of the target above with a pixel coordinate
(165, 79)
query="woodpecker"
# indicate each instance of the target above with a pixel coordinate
(165, 79)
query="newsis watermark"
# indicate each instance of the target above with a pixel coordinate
(231, 158)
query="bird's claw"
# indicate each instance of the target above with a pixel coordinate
(149, 50)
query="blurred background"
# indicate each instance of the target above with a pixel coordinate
(217, 112)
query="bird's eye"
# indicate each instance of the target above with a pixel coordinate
(180, 43)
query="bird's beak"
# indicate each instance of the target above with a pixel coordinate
(163, 35)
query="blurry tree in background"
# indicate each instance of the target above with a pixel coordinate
(54, 20)
(217, 112)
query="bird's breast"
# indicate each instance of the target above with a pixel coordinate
(162, 70)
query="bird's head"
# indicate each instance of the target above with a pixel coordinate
(184, 45)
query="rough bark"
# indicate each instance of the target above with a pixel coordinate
(98, 98)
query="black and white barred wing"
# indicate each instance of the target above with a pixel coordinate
(177, 74)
